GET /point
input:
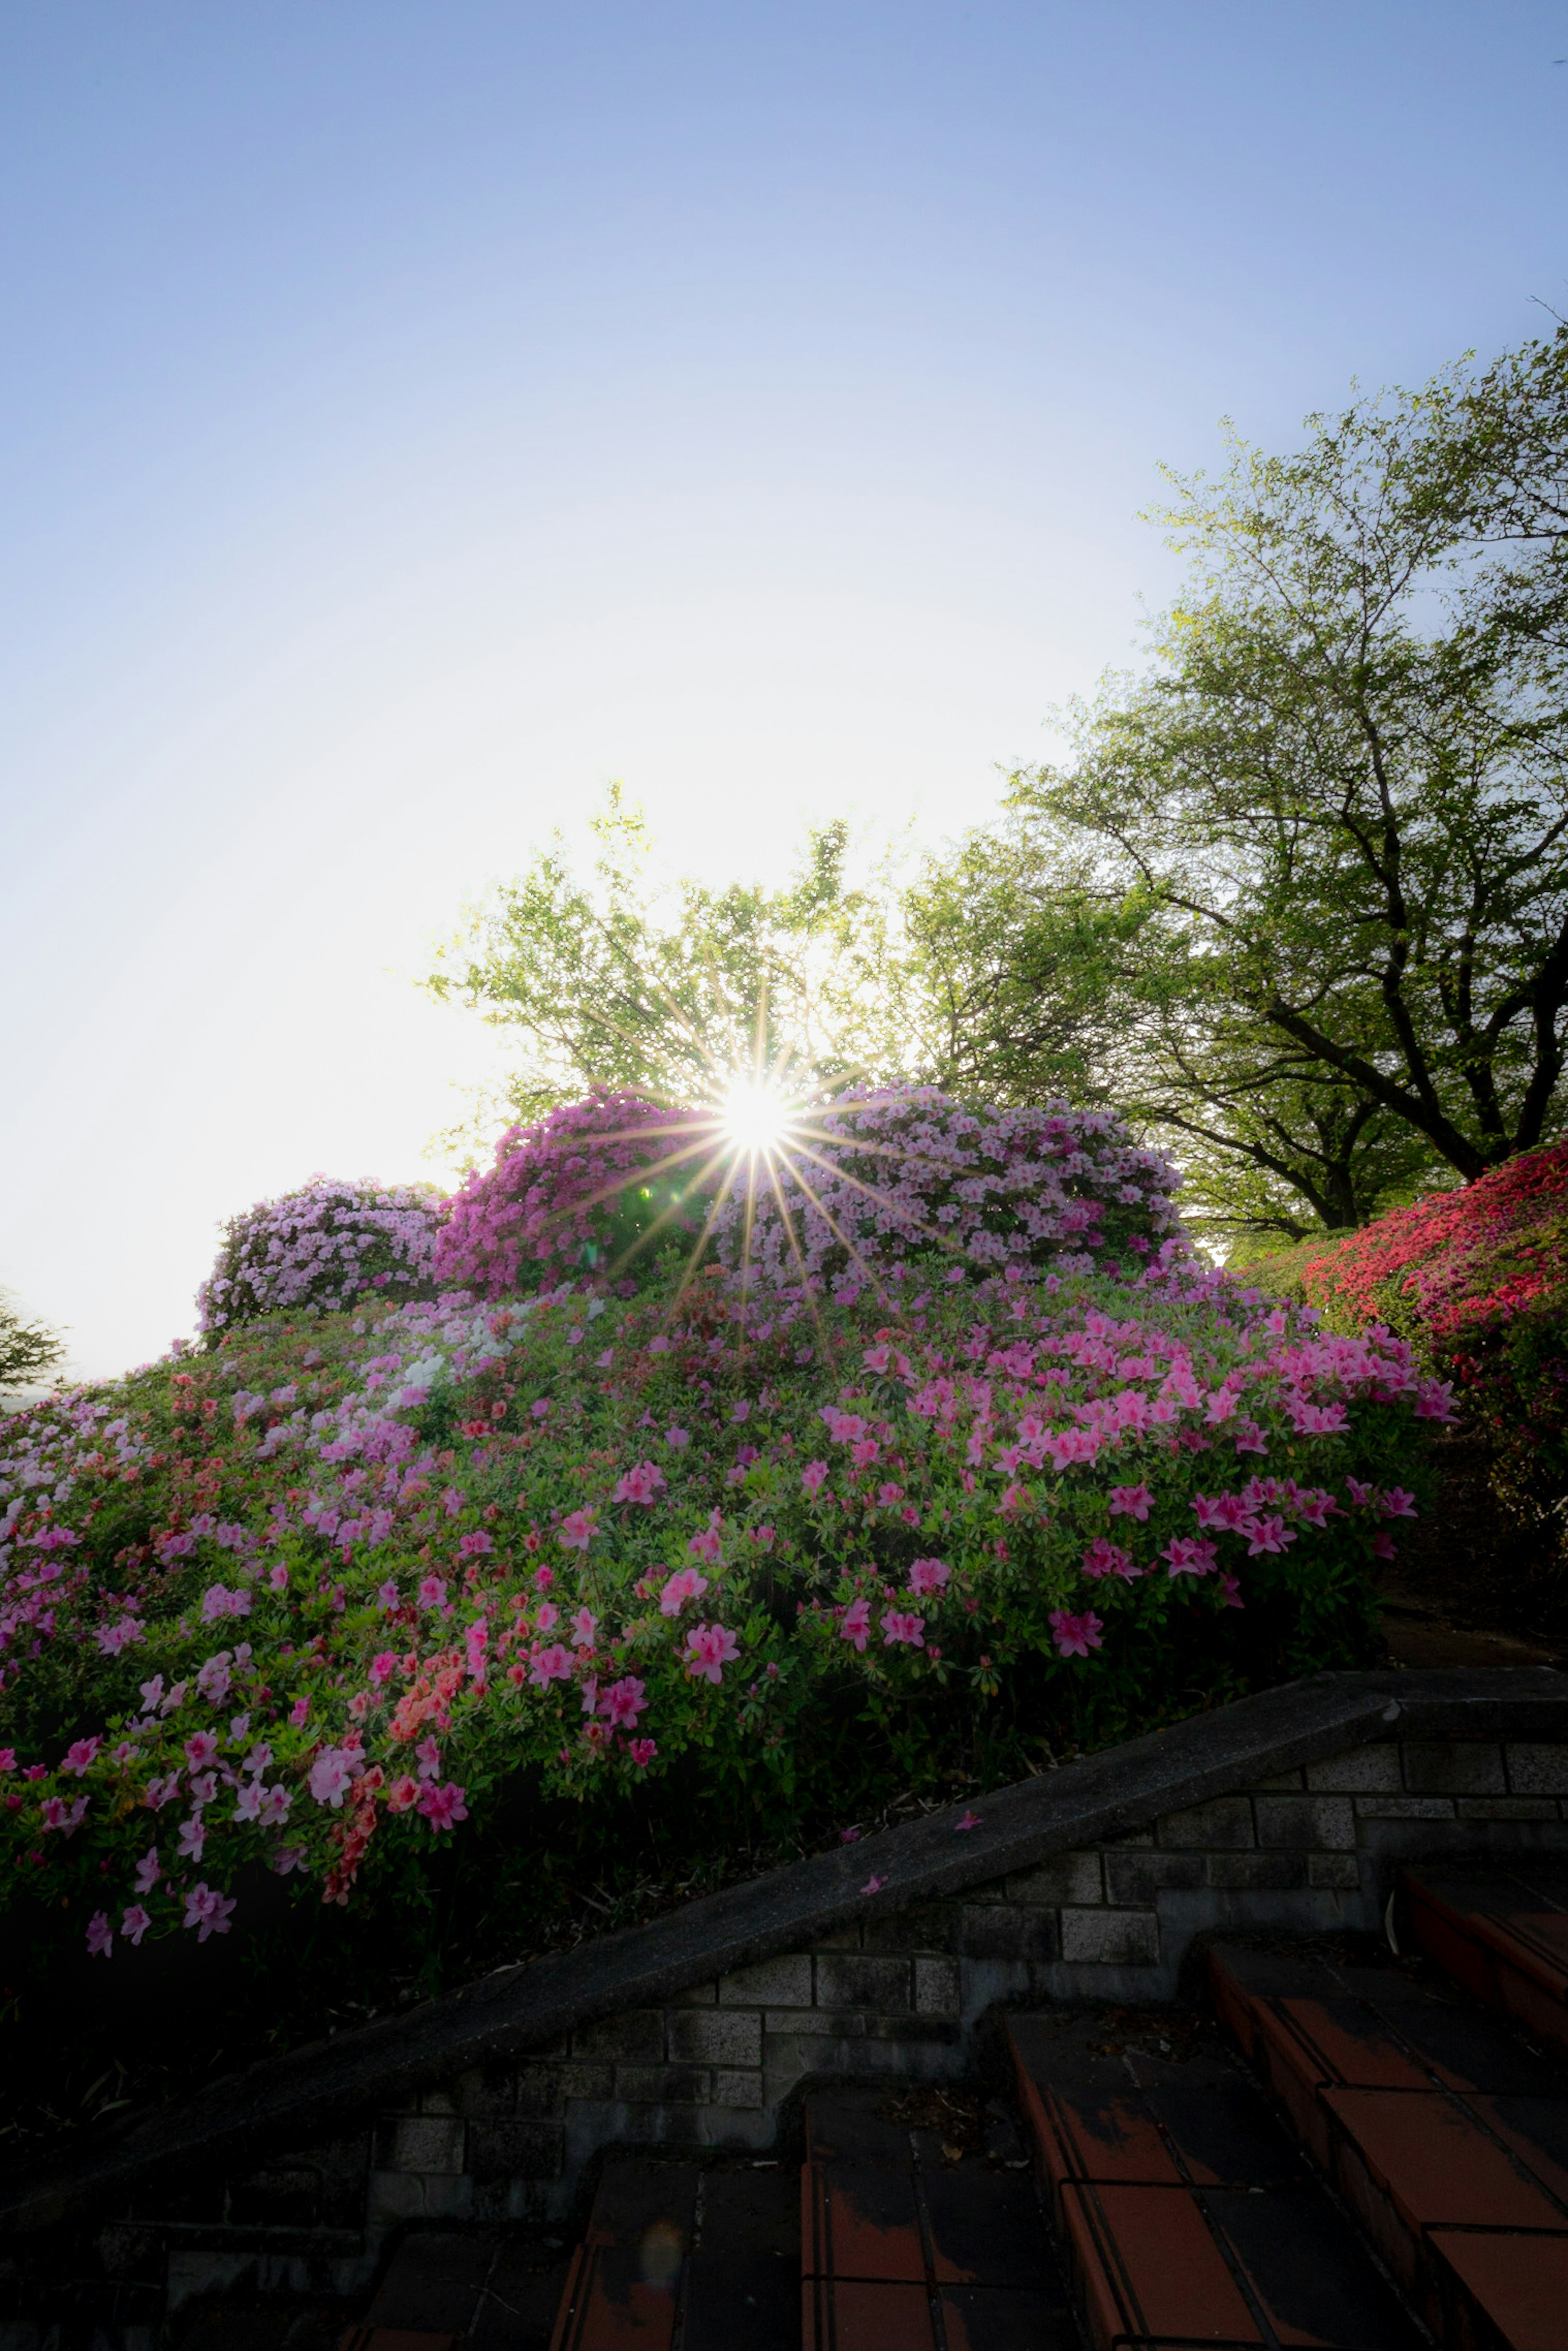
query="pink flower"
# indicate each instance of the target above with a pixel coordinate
(576, 1532)
(551, 1665)
(584, 1629)
(901, 1630)
(1232, 1592)
(78, 1758)
(298, 1713)
(642, 1751)
(65, 1818)
(428, 1755)
(216, 1602)
(1384, 1545)
(1103, 1558)
(684, 1585)
(383, 1665)
(814, 1477)
(709, 1648)
(135, 1923)
(331, 1777)
(1076, 1635)
(1189, 1555)
(970, 1821)
(445, 1807)
(1395, 1503)
(149, 1870)
(1268, 1534)
(855, 1623)
(888, 1497)
(200, 1750)
(192, 1837)
(709, 1544)
(643, 1484)
(865, 1452)
(928, 1575)
(162, 1791)
(387, 1595)
(431, 1591)
(99, 1936)
(677, 1439)
(208, 1910)
(475, 1639)
(402, 1793)
(112, 1638)
(549, 1616)
(1130, 1502)
(473, 1546)
(277, 1577)
(622, 1702)
(873, 1885)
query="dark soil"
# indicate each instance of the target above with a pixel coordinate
(1470, 1586)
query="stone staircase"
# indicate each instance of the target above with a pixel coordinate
(1361, 2152)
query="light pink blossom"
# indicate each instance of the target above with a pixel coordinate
(1075, 1635)
(208, 1910)
(709, 1648)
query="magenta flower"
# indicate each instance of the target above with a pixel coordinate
(873, 1885)
(889, 1496)
(814, 1477)
(473, 1546)
(65, 1818)
(676, 1438)
(1395, 1503)
(1189, 1555)
(427, 1755)
(1076, 1635)
(277, 1577)
(1103, 1558)
(209, 1910)
(200, 1750)
(135, 1923)
(1268, 1534)
(549, 1616)
(642, 1751)
(99, 1936)
(192, 1837)
(622, 1702)
(551, 1665)
(584, 1629)
(383, 1665)
(929, 1575)
(854, 1625)
(433, 1591)
(709, 1544)
(444, 1807)
(900, 1629)
(217, 1600)
(1130, 1502)
(709, 1648)
(149, 1870)
(684, 1585)
(78, 1758)
(970, 1821)
(300, 1712)
(577, 1531)
(643, 1484)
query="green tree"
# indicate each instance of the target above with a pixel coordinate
(28, 1350)
(1319, 849)
(603, 979)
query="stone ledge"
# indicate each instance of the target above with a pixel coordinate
(1270, 1738)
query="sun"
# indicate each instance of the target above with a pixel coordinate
(755, 1116)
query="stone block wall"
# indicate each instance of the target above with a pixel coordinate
(905, 1996)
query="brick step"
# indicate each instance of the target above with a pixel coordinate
(1502, 1933)
(1186, 2213)
(679, 2251)
(475, 2288)
(913, 2234)
(1444, 2135)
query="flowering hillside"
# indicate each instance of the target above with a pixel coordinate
(1477, 1279)
(454, 1594)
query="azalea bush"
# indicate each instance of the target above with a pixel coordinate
(459, 1602)
(587, 1188)
(316, 1250)
(1476, 1278)
(907, 1176)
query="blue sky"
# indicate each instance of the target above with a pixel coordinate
(411, 415)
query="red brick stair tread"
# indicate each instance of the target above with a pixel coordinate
(1521, 2282)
